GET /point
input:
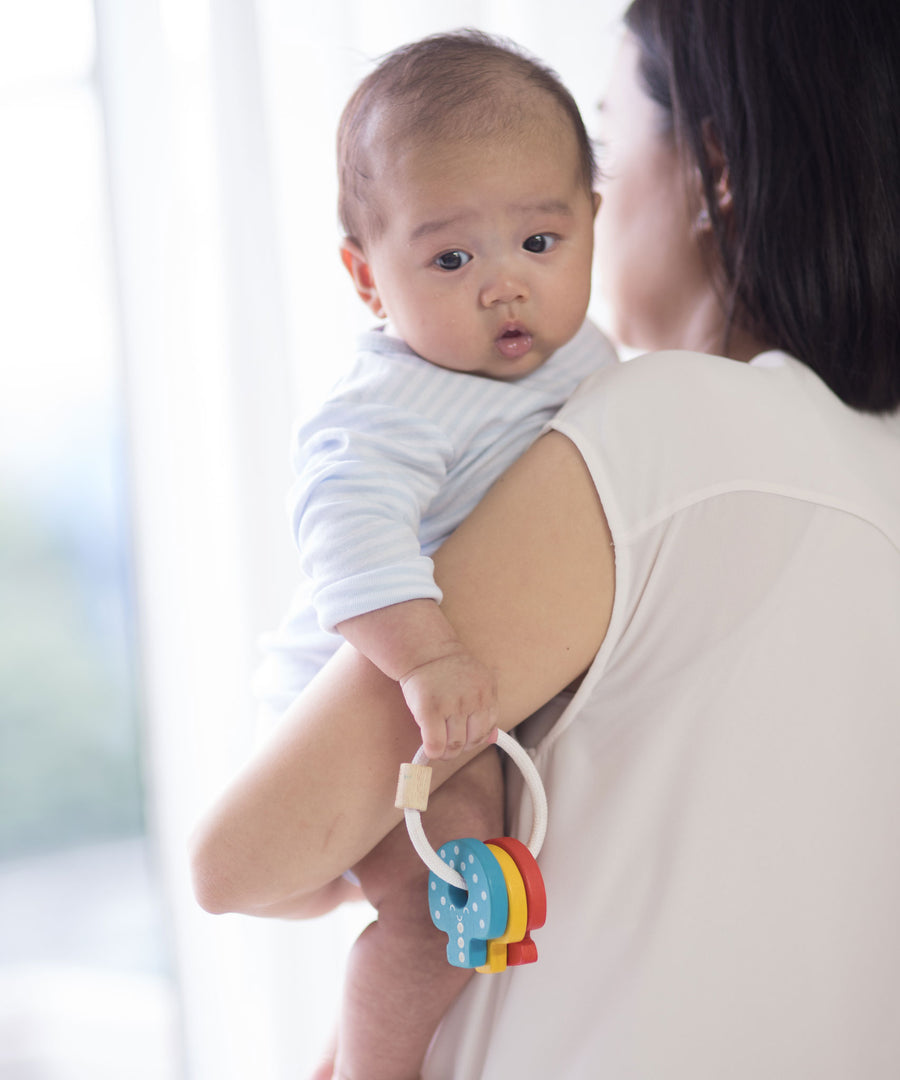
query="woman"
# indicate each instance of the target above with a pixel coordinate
(710, 542)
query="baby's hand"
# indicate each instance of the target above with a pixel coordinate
(453, 699)
(452, 696)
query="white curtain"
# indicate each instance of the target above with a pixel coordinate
(220, 125)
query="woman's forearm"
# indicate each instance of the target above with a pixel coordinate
(315, 798)
(313, 905)
(528, 585)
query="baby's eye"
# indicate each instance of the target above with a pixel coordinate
(452, 260)
(539, 243)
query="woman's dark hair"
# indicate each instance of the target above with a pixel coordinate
(802, 97)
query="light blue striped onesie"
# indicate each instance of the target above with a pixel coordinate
(398, 455)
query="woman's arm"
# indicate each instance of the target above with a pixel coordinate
(528, 584)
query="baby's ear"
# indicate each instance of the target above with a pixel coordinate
(360, 270)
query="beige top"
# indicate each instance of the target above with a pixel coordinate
(722, 861)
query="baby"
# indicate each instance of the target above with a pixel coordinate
(466, 197)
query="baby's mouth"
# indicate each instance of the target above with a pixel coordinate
(514, 342)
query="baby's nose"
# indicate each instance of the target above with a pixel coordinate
(504, 288)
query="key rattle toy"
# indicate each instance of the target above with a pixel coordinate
(486, 897)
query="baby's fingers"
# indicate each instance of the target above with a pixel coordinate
(481, 728)
(445, 737)
(434, 737)
(469, 731)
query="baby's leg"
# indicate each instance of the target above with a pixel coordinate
(399, 983)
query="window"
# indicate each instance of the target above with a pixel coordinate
(166, 208)
(85, 983)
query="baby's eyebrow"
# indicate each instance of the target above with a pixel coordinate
(428, 227)
(547, 206)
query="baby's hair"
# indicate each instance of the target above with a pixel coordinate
(457, 86)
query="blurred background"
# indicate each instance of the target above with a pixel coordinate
(170, 298)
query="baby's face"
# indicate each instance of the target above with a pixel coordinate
(485, 263)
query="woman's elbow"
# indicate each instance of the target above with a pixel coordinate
(223, 886)
(213, 874)
(208, 892)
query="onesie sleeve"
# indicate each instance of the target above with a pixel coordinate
(356, 504)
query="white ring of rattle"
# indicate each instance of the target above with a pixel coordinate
(538, 797)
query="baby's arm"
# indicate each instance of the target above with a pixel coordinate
(451, 694)
(367, 471)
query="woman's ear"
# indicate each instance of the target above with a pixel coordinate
(718, 165)
(360, 270)
(722, 187)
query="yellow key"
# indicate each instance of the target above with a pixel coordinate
(517, 923)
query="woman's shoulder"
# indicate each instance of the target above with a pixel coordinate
(680, 427)
(706, 397)
(685, 380)
(678, 399)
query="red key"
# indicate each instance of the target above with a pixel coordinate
(525, 951)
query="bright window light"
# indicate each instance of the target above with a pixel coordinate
(85, 984)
